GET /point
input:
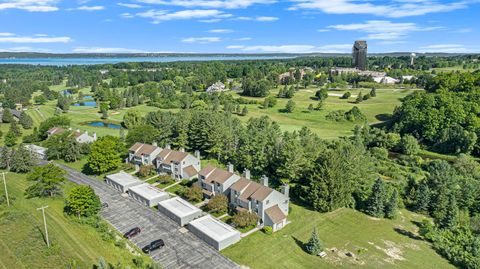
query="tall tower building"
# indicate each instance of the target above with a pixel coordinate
(359, 54)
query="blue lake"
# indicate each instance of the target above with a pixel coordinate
(114, 60)
(86, 103)
(105, 124)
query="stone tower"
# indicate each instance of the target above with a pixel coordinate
(359, 54)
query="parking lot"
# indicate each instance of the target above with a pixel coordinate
(182, 249)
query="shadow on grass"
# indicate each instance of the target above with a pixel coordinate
(42, 233)
(407, 233)
(299, 243)
(384, 116)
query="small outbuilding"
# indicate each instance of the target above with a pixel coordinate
(179, 210)
(214, 232)
(147, 194)
(122, 181)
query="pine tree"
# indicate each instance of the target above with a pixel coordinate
(10, 139)
(377, 200)
(26, 121)
(5, 157)
(359, 98)
(15, 129)
(392, 205)
(373, 92)
(244, 111)
(7, 116)
(422, 198)
(314, 246)
(450, 219)
(290, 106)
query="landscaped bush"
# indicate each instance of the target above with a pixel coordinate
(146, 170)
(346, 95)
(244, 219)
(268, 230)
(219, 203)
(192, 194)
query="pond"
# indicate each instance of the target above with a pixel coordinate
(105, 124)
(86, 103)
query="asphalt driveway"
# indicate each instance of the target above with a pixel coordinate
(182, 249)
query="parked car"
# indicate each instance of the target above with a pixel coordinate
(153, 246)
(133, 232)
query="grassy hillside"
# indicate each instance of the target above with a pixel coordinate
(374, 109)
(373, 243)
(74, 245)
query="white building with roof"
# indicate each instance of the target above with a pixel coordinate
(179, 210)
(147, 194)
(214, 232)
(122, 181)
(143, 154)
(179, 164)
(39, 152)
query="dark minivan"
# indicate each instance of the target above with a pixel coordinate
(153, 246)
(132, 232)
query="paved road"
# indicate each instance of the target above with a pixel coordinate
(182, 250)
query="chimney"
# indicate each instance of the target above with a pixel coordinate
(246, 173)
(167, 146)
(264, 180)
(155, 144)
(197, 154)
(230, 167)
(182, 149)
(286, 189)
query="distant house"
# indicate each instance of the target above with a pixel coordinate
(143, 154)
(80, 137)
(39, 152)
(217, 87)
(270, 205)
(385, 80)
(216, 181)
(179, 164)
(16, 113)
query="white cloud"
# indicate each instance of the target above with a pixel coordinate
(25, 49)
(127, 15)
(30, 5)
(221, 4)
(201, 40)
(105, 50)
(258, 18)
(11, 38)
(243, 39)
(6, 34)
(323, 30)
(221, 31)
(391, 8)
(158, 16)
(90, 8)
(266, 18)
(382, 30)
(333, 48)
(447, 48)
(129, 5)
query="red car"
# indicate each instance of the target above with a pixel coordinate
(133, 232)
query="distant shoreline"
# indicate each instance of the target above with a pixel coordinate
(16, 55)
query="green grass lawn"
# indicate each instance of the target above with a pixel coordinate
(74, 245)
(374, 109)
(375, 243)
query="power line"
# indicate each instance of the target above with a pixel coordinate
(45, 223)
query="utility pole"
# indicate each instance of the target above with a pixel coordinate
(5, 185)
(45, 223)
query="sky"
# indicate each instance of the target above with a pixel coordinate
(239, 26)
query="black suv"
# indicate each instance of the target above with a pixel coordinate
(132, 232)
(153, 246)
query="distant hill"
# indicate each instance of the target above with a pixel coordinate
(120, 55)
